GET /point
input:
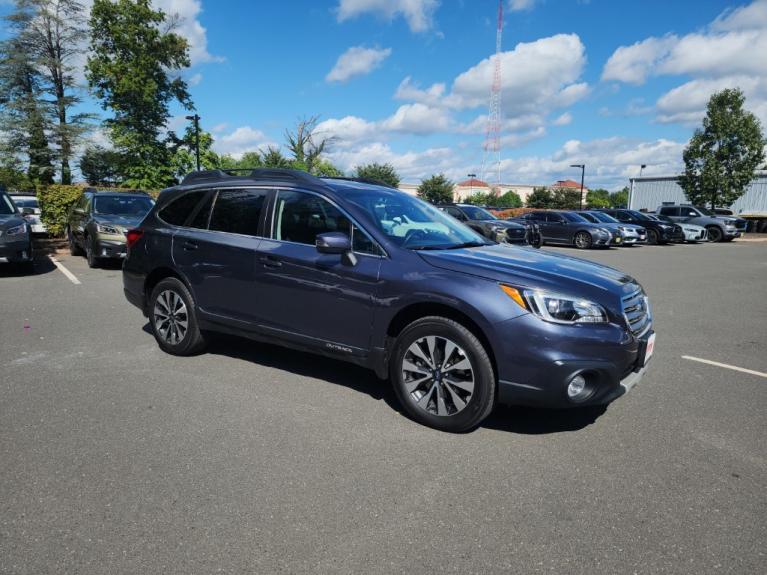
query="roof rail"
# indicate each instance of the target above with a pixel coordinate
(361, 180)
(249, 173)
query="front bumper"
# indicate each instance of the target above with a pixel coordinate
(110, 247)
(16, 251)
(696, 236)
(538, 362)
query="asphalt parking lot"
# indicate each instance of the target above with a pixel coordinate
(118, 458)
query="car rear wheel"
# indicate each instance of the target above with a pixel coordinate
(74, 249)
(442, 375)
(583, 240)
(174, 323)
(714, 234)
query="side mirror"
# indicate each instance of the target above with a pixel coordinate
(336, 243)
(27, 211)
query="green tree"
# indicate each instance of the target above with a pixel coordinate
(620, 199)
(598, 198)
(54, 36)
(133, 69)
(437, 189)
(23, 117)
(323, 167)
(565, 199)
(384, 173)
(184, 158)
(509, 199)
(723, 156)
(305, 144)
(540, 198)
(12, 175)
(100, 166)
(478, 198)
(273, 158)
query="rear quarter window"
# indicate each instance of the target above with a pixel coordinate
(179, 209)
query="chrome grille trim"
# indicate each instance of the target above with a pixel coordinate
(636, 313)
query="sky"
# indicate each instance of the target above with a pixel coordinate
(612, 84)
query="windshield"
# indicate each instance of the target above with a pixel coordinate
(414, 224)
(25, 202)
(571, 217)
(639, 215)
(602, 217)
(6, 207)
(123, 205)
(589, 217)
(474, 213)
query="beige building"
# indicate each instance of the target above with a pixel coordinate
(463, 190)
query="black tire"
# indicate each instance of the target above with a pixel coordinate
(90, 256)
(582, 240)
(74, 249)
(192, 341)
(652, 237)
(715, 234)
(455, 417)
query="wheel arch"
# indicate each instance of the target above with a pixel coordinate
(156, 276)
(416, 311)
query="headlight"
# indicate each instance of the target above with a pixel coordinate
(603, 232)
(106, 229)
(17, 231)
(557, 308)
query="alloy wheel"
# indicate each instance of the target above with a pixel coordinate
(438, 375)
(171, 319)
(582, 240)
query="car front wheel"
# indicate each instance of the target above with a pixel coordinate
(173, 319)
(714, 234)
(442, 375)
(583, 240)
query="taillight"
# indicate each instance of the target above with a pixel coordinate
(133, 236)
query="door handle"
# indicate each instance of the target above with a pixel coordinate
(190, 246)
(270, 262)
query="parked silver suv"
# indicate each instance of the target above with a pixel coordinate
(720, 228)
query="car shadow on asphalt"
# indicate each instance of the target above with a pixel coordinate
(42, 266)
(516, 419)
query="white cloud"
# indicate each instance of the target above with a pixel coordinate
(411, 166)
(407, 90)
(519, 5)
(188, 26)
(563, 120)
(417, 13)
(241, 140)
(347, 130)
(357, 61)
(729, 53)
(418, 119)
(194, 79)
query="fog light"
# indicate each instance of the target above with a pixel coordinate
(576, 389)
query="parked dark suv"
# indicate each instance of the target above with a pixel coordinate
(492, 227)
(371, 275)
(15, 234)
(98, 222)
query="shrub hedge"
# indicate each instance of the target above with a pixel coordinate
(57, 199)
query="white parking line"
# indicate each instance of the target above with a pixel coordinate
(72, 277)
(725, 365)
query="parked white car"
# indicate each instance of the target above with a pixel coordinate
(28, 201)
(692, 233)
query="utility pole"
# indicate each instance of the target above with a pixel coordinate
(493, 133)
(196, 120)
(471, 183)
(583, 172)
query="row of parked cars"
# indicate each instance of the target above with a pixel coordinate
(603, 227)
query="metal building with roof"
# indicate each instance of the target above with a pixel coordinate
(650, 192)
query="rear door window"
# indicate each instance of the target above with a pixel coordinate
(669, 211)
(238, 211)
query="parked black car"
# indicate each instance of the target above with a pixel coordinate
(657, 232)
(15, 234)
(98, 222)
(492, 227)
(571, 229)
(371, 275)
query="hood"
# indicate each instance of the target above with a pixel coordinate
(122, 221)
(531, 268)
(8, 221)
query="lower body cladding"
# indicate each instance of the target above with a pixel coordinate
(18, 251)
(551, 365)
(109, 249)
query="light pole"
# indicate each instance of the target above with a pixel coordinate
(631, 189)
(471, 183)
(583, 173)
(196, 120)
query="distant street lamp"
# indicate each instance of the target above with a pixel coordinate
(471, 183)
(583, 172)
(196, 120)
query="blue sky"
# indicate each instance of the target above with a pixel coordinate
(614, 84)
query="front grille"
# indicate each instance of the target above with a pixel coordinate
(515, 232)
(636, 313)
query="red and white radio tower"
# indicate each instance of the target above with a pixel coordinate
(492, 144)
